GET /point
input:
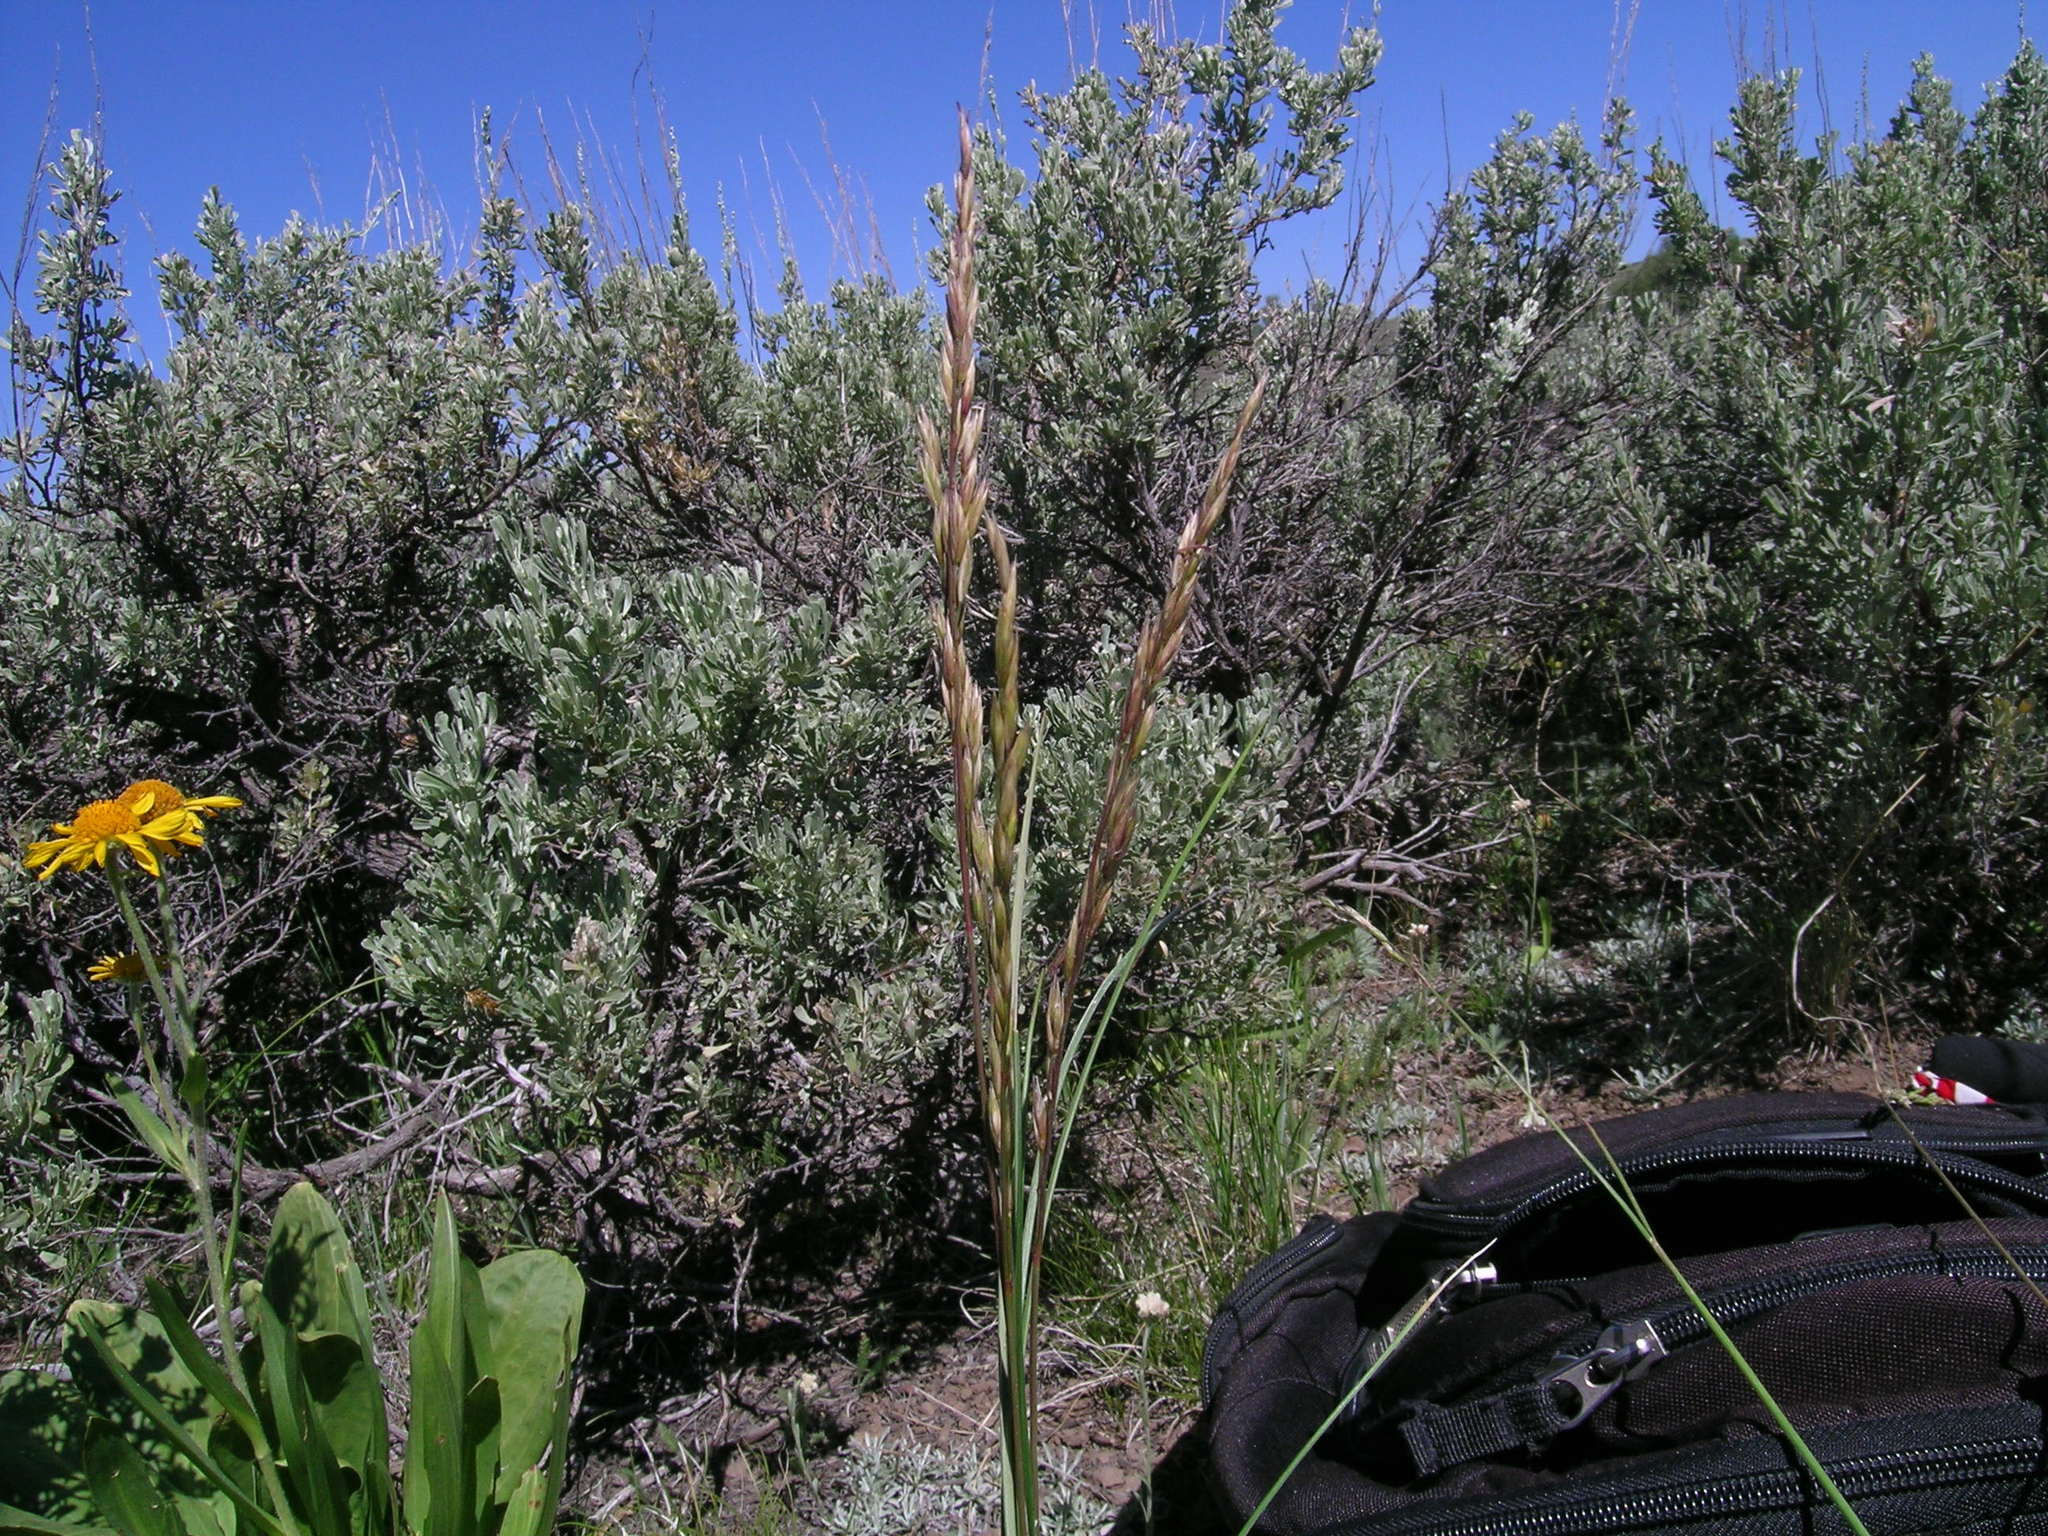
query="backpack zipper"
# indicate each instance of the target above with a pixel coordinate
(1681, 1324)
(1439, 1293)
(1594, 1363)
(1443, 1217)
(1261, 1282)
(1788, 1490)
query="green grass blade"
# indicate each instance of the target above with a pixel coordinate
(1089, 1027)
(168, 1145)
(1626, 1197)
(1618, 1190)
(1351, 1395)
(1969, 1210)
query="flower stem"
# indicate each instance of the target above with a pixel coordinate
(174, 999)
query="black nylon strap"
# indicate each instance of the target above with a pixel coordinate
(1520, 1419)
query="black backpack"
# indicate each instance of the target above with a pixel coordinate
(1535, 1371)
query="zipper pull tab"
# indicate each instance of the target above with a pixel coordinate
(1434, 1298)
(1623, 1352)
(1526, 1418)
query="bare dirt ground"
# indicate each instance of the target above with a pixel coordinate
(836, 1444)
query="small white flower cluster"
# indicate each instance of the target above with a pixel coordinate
(1152, 1305)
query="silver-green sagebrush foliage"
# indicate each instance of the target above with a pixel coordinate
(1841, 505)
(693, 851)
(683, 785)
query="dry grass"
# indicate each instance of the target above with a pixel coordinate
(1026, 1076)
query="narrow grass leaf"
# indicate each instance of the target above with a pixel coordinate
(1618, 1189)
(198, 1359)
(168, 1145)
(19, 1522)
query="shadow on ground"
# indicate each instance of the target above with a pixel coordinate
(1178, 1501)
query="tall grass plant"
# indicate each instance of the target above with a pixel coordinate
(1033, 1055)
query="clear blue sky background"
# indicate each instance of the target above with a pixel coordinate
(285, 105)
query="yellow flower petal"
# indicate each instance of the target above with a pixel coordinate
(125, 968)
(142, 850)
(150, 819)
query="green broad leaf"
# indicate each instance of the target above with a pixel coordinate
(310, 1272)
(123, 1489)
(535, 1304)
(347, 1399)
(169, 1439)
(235, 1455)
(345, 1426)
(443, 1322)
(557, 1464)
(205, 1519)
(127, 1372)
(312, 1276)
(302, 1446)
(168, 1145)
(19, 1522)
(192, 1087)
(42, 1441)
(481, 1425)
(439, 1475)
(530, 1511)
(436, 1502)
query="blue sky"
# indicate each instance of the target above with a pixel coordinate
(286, 106)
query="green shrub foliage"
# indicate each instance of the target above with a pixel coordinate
(1837, 670)
(560, 611)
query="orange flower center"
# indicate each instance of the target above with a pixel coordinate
(163, 799)
(103, 821)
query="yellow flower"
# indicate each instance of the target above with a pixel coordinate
(105, 825)
(154, 799)
(126, 967)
